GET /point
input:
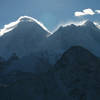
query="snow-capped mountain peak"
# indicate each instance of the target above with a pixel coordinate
(27, 18)
(25, 33)
(23, 20)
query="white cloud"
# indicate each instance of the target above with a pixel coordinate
(84, 12)
(79, 14)
(89, 11)
(97, 11)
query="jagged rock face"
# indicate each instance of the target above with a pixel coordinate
(76, 76)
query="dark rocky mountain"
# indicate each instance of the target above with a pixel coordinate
(75, 76)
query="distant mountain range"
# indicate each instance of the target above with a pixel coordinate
(27, 36)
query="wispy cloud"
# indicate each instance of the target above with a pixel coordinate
(84, 12)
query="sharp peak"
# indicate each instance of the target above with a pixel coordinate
(78, 51)
(89, 23)
(78, 47)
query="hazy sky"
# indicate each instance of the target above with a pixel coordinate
(49, 12)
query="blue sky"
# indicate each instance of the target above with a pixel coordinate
(50, 12)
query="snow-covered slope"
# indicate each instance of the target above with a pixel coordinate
(22, 37)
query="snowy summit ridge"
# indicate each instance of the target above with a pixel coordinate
(23, 19)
